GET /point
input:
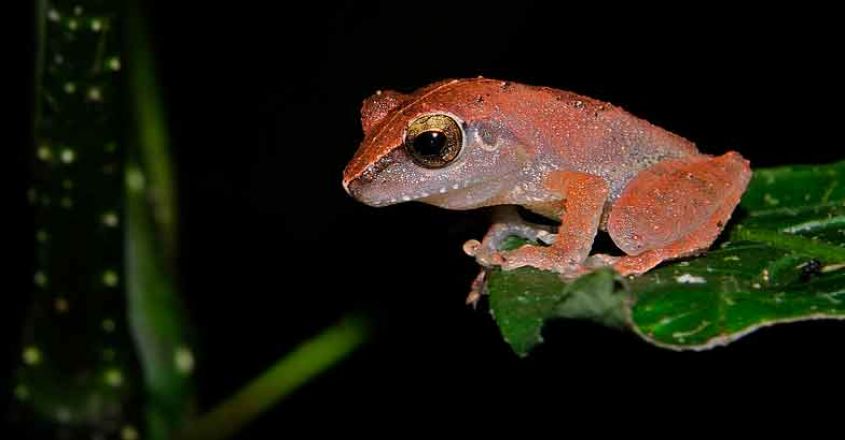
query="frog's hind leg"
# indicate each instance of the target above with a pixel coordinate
(675, 209)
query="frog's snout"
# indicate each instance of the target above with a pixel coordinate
(350, 187)
(355, 188)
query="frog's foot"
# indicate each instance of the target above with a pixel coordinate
(596, 261)
(549, 258)
(507, 224)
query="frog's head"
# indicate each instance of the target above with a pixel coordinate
(448, 144)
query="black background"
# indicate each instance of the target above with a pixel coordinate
(263, 103)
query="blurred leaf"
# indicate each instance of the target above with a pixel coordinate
(290, 372)
(158, 320)
(785, 262)
(78, 368)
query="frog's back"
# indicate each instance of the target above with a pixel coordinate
(575, 132)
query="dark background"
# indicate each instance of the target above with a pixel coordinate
(263, 104)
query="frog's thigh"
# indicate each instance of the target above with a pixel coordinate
(675, 208)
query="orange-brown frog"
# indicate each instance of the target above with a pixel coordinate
(469, 143)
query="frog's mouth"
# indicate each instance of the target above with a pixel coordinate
(397, 179)
(442, 196)
(467, 194)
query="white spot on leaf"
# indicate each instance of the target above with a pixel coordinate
(690, 279)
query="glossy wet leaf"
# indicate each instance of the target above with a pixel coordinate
(784, 262)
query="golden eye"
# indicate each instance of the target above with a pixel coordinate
(433, 141)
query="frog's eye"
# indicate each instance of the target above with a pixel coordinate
(433, 141)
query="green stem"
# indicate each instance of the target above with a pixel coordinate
(795, 243)
(293, 370)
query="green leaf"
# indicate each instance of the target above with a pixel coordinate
(522, 300)
(784, 262)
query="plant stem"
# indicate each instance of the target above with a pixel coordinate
(280, 380)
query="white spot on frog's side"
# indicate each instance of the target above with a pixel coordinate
(406, 198)
(45, 153)
(113, 63)
(108, 325)
(94, 94)
(183, 359)
(96, 24)
(129, 432)
(69, 87)
(68, 156)
(110, 219)
(110, 278)
(31, 355)
(442, 190)
(690, 279)
(113, 377)
(40, 278)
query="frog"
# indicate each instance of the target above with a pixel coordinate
(584, 164)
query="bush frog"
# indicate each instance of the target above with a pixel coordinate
(470, 143)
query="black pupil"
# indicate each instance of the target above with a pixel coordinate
(430, 143)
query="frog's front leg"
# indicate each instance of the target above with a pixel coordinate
(506, 223)
(582, 201)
